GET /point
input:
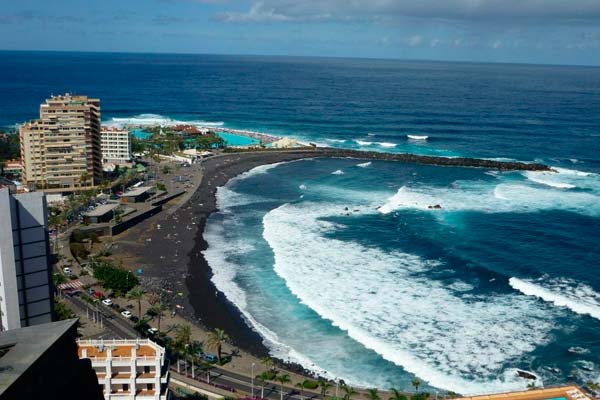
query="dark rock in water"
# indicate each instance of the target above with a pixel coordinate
(345, 208)
(526, 375)
(436, 207)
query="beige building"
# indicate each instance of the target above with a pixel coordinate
(132, 369)
(61, 151)
(116, 146)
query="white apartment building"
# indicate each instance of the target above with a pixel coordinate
(116, 146)
(25, 283)
(133, 369)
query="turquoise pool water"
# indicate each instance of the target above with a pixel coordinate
(237, 140)
(140, 134)
(557, 398)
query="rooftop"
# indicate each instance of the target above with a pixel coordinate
(566, 392)
(102, 210)
(21, 348)
(137, 191)
(120, 348)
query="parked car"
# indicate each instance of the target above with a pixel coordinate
(211, 358)
(67, 271)
(127, 314)
(107, 302)
(152, 331)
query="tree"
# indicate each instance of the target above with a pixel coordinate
(282, 379)
(416, 383)
(267, 362)
(396, 395)
(206, 366)
(595, 386)
(193, 349)
(373, 394)
(325, 386)
(137, 294)
(158, 310)
(183, 335)
(302, 385)
(263, 377)
(216, 339)
(349, 392)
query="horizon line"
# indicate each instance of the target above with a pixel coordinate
(301, 56)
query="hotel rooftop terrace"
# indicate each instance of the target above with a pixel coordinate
(557, 393)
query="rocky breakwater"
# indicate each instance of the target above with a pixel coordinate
(432, 160)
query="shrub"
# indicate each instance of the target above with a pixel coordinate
(61, 310)
(115, 278)
(79, 251)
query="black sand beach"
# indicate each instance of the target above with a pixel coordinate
(169, 245)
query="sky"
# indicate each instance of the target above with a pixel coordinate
(522, 31)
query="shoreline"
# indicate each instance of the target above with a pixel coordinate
(170, 246)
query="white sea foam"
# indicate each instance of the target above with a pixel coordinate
(363, 142)
(155, 119)
(417, 137)
(386, 144)
(446, 336)
(565, 178)
(336, 140)
(483, 197)
(577, 297)
(338, 172)
(364, 165)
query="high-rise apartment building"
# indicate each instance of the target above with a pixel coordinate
(25, 280)
(61, 151)
(116, 146)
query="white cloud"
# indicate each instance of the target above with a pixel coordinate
(414, 40)
(307, 10)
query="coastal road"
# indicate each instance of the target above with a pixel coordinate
(114, 328)
(226, 380)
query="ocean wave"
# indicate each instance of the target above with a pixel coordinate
(492, 198)
(156, 119)
(564, 178)
(417, 137)
(577, 297)
(450, 339)
(364, 165)
(338, 172)
(386, 144)
(335, 140)
(363, 142)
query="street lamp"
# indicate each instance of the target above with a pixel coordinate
(252, 378)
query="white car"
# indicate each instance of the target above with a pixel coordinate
(67, 271)
(152, 331)
(107, 302)
(127, 314)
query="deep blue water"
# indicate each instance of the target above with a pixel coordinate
(504, 276)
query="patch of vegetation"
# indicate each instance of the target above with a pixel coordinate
(116, 278)
(62, 311)
(79, 251)
(9, 147)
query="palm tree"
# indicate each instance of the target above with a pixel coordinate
(302, 385)
(207, 367)
(373, 394)
(158, 310)
(267, 362)
(350, 391)
(595, 386)
(416, 383)
(192, 351)
(183, 335)
(263, 377)
(324, 387)
(396, 395)
(137, 294)
(282, 379)
(216, 339)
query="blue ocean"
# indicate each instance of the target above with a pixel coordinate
(379, 272)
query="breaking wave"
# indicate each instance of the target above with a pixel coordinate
(578, 297)
(448, 337)
(156, 119)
